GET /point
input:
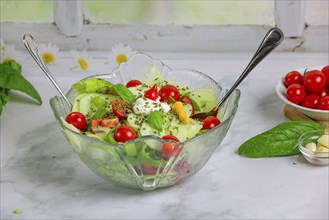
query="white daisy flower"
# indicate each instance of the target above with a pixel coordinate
(8, 52)
(48, 52)
(82, 59)
(120, 53)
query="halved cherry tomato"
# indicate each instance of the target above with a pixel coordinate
(77, 119)
(169, 90)
(295, 93)
(124, 133)
(324, 103)
(325, 71)
(210, 122)
(187, 100)
(133, 83)
(119, 108)
(293, 77)
(170, 149)
(311, 101)
(152, 93)
(105, 122)
(314, 81)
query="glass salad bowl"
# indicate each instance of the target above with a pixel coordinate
(139, 163)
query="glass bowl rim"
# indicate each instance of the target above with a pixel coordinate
(148, 137)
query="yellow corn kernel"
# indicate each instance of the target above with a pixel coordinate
(181, 112)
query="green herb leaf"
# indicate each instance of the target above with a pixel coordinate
(155, 120)
(125, 93)
(4, 97)
(97, 108)
(92, 85)
(11, 78)
(278, 141)
(110, 136)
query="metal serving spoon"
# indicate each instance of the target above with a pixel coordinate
(33, 50)
(271, 40)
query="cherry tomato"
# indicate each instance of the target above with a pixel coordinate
(295, 93)
(311, 101)
(124, 133)
(324, 103)
(314, 81)
(210, 122)
(325, 71)
(119, 108)
(324, 93)
(150, 170)
(104, 122)
(152, 93)
(133, 83)
(170, 149)
(169, 90)
(187, 100)
(292, 78)
(77, 119)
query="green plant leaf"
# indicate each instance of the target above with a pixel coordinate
(155, 120)
(125, 93)
(92, 85)
(11, 78)
(4, 98)
(278, 141)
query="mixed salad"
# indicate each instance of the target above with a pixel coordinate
(117, 113)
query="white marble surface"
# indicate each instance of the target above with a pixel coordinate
(42, 177)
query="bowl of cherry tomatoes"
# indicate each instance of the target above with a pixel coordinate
(307, 90)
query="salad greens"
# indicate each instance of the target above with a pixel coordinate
(278, 141)
(11, 78)
(125, 93)
(155, 120)
(92, 85)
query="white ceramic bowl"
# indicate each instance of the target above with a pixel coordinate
(316, 114)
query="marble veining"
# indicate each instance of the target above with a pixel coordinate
(42, 176)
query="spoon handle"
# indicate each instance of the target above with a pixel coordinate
(271, 40)
(33, 50)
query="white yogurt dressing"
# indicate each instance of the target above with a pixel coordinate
(145, 106)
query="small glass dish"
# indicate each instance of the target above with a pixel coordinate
(315, 158)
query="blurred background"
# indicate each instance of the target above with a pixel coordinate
(166, 25)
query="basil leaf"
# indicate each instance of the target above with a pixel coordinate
(125, 93)
(4, 97)
(11, 78)
(278, 141)
(155, 120)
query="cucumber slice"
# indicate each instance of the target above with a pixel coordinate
(138, 91)
(82, 102)
(76, 104)
(153, 76)
(205, 99)
(173, 126)
(188, 109)
(135, 121)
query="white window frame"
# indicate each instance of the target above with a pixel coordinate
(69, 32)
